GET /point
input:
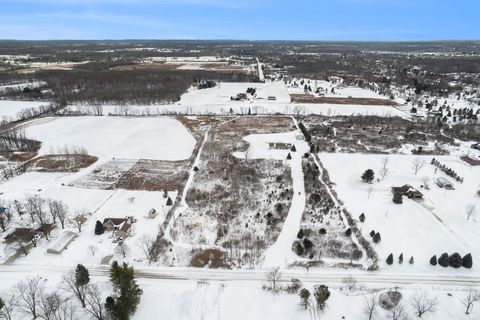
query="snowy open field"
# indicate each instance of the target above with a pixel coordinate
(9, 109)
(421, 229)
(220, 95)
(128, 138)
(239, 300)
(217, 101)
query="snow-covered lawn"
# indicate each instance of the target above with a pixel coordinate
(239, 300)
(161, 138)
(100, 204)
(420, 229)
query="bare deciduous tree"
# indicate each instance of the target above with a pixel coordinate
(369, 191)
(49, 305)
(30, 292)
(350, 282)
(34, 205)
(95, 303)
(71, 286)
(472, 297)
(273, 275)
(425, 181)
(79, 220)
(8, 304)
(67, 311)
(417, 164)
(58, 210)
(98, 109)
(371, 306)
(384, 170)
(422, 304)
(92, 249)
(152, 247)
(470, 210)
(18, 207)
(399, 312)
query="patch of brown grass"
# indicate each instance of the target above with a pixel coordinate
(211, 258)
(155, 175)
(62, 163)
(21, 156)
(306, 98)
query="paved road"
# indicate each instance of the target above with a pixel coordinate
(159, 273)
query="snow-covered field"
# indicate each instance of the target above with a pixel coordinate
(217, 101)
(106, 137)
(421, 229)
(325, 87)
(9, 109)
(220, 95)
(239, 300)
(128, 138)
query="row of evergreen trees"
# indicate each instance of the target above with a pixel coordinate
(400, 259)
(454, 260)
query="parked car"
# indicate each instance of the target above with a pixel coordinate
(476, 146)
(444, 183)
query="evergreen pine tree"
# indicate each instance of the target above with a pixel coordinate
(169, 201)
(82, 276)
(307, 244)
(443, 260)
(411, 261)
(400, 258)
(300, 234)
(99, 228)
(390, 259)
(289, 156)
(321, 294)
(433, 260)
(293, 149)
(397, 198)
(377, 238)
(372, 233)
(305, 297)
(467, 261)
(455, 260)
(127, 293)
(368, 176)
(348, 232)
(362, 217)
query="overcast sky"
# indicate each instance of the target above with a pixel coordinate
(241, 19)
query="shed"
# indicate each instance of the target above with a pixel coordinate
(62, 242)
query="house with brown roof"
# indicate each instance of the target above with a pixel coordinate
(408, 191)
(112, 224)
(471, 160)
(124, 230)
(121, 227)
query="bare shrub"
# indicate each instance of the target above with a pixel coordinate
(422, 304)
